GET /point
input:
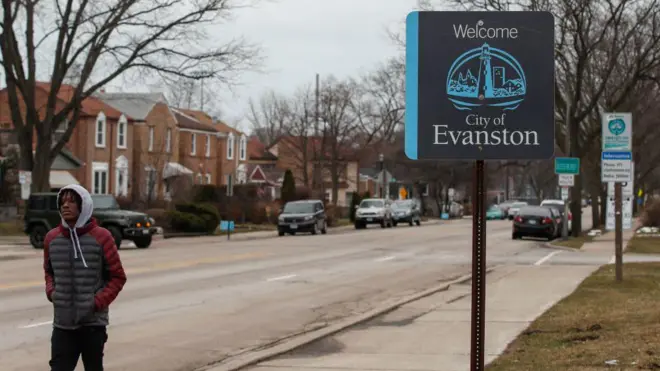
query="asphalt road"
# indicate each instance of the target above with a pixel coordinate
(190, 302)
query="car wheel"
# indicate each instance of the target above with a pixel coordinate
(116, 235)
(383, 224)
(37, 236)
(515, 236)
(292, 233)
(142, 242)
(394, 224)
(390, 223)
(418, 222)
(280, 232)
(315, 230)
(411, 222)
(325, 227)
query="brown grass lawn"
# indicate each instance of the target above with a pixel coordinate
(573, 242)
(599, 322)
(12, 228)
(644, 245)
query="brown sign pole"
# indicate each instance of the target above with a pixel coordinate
(478, 267)
(618, 231)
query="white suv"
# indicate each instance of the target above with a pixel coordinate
(373, 211)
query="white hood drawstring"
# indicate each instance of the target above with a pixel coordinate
(86, 209)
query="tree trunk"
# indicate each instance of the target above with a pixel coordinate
(41, 167)
(603, 207)
(576, 207)
(26, 159)
(595, 208)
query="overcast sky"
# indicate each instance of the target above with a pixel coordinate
(303, 37)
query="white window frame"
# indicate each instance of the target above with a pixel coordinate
(208, 178)
(102, 122)
(151, 138)
(168, 140)
(200, 178)
(242, 151)
(208, 145)
(230, 146)
(100, 168)
(122, 133)
(62, 128)
(193, 144)
(121, 168)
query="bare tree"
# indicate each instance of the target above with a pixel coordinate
(107, 40)
(298, 121)
(270, 116)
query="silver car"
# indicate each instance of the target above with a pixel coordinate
(374, 211)
(515, 208)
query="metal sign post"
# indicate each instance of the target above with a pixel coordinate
(618, 234)
(480, 86)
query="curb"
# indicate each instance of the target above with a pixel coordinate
(549, 245)
(289, 344)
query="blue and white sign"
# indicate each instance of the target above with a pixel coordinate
(617, 131)
(627, 213)
(616, 167)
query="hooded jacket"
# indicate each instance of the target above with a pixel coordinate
(83, 271)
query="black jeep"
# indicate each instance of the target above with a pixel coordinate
(42, 215)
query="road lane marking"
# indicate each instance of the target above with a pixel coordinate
(280, 278)
(37, 324)
(159, 267)
(385, 258)
(546, 258)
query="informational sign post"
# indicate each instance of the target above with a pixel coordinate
(566, 180)
(617, 167)
(480, 86)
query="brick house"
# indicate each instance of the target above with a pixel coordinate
(232, 149)
(156, 154)
(101, 140)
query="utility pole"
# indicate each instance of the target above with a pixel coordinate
(567, 146)
(316, 177)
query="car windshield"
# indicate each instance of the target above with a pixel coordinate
(554, 203)
(298, 208)
(105, 202)
(371, 203)
(402, 205)
(534, 211)
(518, 205)
(494, 208)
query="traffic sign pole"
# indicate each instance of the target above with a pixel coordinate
(478, 267)
(618, 234)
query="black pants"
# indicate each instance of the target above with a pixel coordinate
(66, 346)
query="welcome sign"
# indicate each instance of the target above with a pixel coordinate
(479, 85)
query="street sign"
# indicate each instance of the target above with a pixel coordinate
(616, 167)
(567, 165)
(403, 193)
(566, 180)
(627, 208)
(627, 188)
(564, 193)
(480, 85)
(617, 131)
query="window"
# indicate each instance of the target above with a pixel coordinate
(242, 148)
(150, 184)
(230, 146)
(151, 139)
(100, 130)
(230, 186)
(193, 143)
(99, 178)
(168, 141)
(208, 178)
(208, 145)
(121, 177)
(121, 132)
(61, 129)
(199, 178)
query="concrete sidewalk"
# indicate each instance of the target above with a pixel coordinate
(434, 333)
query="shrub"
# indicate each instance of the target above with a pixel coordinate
(354, 203)
(651, 215)
(185, 222)
(159, 216)
(302, 193)
(206, 212)
(288, 187)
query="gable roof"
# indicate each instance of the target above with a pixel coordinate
(256, 150)
(188, 122)
(205, 118)
(136, 105)
(91, 106)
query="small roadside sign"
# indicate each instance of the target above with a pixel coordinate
(403, 193)
(566, 180)
(567, 165)
(616, 167)
(617, 131)
(626, 207)
(564, 193)
(627, 188)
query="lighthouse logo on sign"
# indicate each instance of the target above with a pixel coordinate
(486, 76)
(617, 126)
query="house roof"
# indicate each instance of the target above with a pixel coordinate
(136, 105)
(205, 118)
(256, 150)
(91, 106)
(188, 122)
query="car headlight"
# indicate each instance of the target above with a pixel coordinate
(281, 217)
(309, 217)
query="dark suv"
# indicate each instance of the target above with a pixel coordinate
(43, 215)
(302, 216)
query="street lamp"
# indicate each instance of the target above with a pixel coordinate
(381, 158)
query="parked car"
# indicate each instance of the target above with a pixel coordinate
(535, 221)
(42, 214)
(374, 211)
(302, 216)
(455, 210)
(495, 213)
(506, 205)
(406, 211)
(514, 208)
(560, 205)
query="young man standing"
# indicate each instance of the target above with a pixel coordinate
(83, 276)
